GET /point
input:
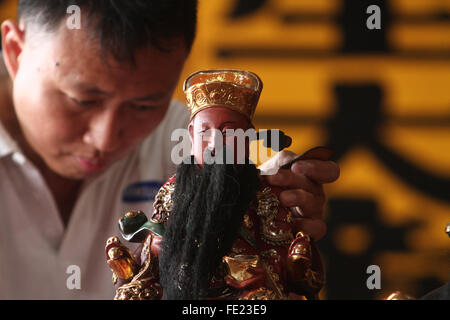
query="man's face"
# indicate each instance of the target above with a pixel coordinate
(79, 114)
(213, 121)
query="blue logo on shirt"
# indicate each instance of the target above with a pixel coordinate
(141, 191)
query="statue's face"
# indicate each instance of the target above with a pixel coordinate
(208, 130)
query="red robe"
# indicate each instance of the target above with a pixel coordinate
(260, 264)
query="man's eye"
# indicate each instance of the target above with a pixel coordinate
(83, 102)
(145, 108)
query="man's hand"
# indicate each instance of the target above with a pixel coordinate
(304, 183)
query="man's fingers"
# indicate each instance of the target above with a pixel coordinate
(291, 180)
(317, 170)
(310, 204)
(315, 228)
(271, 166)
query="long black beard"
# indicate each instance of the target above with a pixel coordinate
(208, 209)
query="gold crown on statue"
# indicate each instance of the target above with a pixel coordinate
(238, 90)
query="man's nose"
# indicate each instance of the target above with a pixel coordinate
(104, 131)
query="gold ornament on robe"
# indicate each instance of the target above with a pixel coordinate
(301, 274)
(239, 265)
(398, 295)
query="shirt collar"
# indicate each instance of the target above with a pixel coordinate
(7, 143)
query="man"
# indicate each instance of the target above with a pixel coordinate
(218, 230)
(86, 137)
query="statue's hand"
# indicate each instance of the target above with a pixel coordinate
(135, 275)
(121, 261)
(133, 280)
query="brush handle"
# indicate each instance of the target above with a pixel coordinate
(316, 153)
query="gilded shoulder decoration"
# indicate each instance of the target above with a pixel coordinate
(163, 203)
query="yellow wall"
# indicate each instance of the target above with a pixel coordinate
(7, 9)
(414, 88)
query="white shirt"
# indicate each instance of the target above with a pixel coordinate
(36, 250)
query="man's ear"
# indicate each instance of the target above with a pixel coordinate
(13, 41)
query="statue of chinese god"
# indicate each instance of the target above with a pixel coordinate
(218, 230)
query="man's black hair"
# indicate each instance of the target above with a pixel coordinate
(121, 26)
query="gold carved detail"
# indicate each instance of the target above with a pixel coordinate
(238, 266)
(236, 249)
(269, 254)
(142, 286)
(267, 209)
(398, 295)
(163, 203)
(268, 203)
(261, 294)
(138, 290)
(248, 223)
(274, 281)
